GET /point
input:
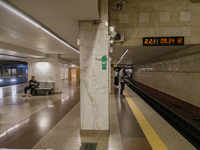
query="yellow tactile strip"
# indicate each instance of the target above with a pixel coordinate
(154, 140)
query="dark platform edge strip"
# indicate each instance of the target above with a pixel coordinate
(189, 131)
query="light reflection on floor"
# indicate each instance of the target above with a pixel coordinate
(14, 92)
(1, 92)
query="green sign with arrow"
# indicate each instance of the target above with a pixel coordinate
(104, 63)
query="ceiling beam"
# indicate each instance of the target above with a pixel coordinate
(14, 50)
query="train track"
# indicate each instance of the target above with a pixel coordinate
(183, 126)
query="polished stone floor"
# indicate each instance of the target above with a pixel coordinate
(45, 122)
(53, 122)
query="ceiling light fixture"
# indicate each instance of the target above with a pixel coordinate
(42, 64)
(111, 41)
(34, 22)
(111, 28)
(122, 56)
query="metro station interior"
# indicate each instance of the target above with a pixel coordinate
(73, 48)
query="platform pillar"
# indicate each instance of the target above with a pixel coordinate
(94, 72)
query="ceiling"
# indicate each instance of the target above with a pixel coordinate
(140, 54)
(19, 38)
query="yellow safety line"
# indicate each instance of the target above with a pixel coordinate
(154, 140)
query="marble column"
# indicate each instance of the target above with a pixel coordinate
(46, 69)
(94, 44)
(64, 71)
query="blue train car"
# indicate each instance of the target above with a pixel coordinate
(12, 73)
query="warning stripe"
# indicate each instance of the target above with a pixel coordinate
(154, 140)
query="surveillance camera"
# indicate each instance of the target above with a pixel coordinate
(113, 34)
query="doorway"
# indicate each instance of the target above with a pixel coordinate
(74, 73)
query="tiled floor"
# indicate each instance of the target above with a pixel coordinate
(65, 135)
(53, 122)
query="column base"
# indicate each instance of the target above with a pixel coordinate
(57, 92)
(95, 132)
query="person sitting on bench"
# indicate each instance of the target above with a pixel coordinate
(32, 86)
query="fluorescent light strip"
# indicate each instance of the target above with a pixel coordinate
(20, 14)
(57, 38)
(34, 22)
(122, 56)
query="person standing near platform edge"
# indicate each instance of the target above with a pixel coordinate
(32, 85)
(116, 83)
(121, 80)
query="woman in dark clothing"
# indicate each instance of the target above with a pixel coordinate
(121, 80)
(116, 82)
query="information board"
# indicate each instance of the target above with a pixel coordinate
(163, 41)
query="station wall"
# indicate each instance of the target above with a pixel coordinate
(144, 18)
(46, 69)
(178, 76)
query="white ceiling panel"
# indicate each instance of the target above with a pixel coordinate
(20, 38)
(62, 17)
(139, 54)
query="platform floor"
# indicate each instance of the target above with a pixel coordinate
(53, 122)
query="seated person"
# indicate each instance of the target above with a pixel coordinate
(32, 85)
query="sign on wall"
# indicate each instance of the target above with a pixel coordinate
(104, 63)
(163, 41)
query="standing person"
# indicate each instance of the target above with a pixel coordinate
(32, 85)
(116, 77)
(121, 80)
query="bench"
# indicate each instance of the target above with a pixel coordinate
(46, 86)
